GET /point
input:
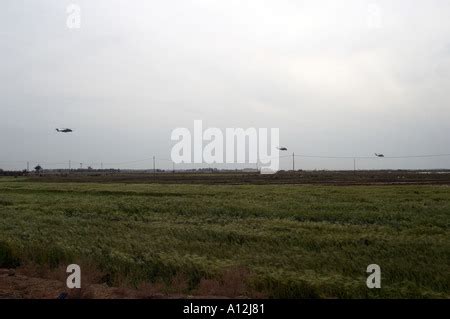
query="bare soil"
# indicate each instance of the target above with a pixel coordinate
(345, 178)
(18, 286)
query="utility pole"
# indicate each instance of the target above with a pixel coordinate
(28, 166)
(154, 166)
(173, 167)
(70, 166)
(293, 162)
(101, 165)
(354, 165)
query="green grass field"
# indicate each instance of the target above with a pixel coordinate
(292, 241)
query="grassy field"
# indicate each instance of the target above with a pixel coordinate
(283, 241)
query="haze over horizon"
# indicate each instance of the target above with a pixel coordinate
(337, 78)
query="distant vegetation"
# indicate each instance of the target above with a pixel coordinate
(277, 241)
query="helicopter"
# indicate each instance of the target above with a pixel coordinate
(282, 148)
(379, 155)
(64, 130)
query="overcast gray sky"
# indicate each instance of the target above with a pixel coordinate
(339, 78)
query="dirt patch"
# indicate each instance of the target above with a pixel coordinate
(344, 178)
(17, 284)
(14, 285)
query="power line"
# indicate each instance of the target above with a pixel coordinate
(154, 158)
(373, 157)
(419, 156)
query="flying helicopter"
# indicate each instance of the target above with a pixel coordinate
(64, 130)
(379, 155)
